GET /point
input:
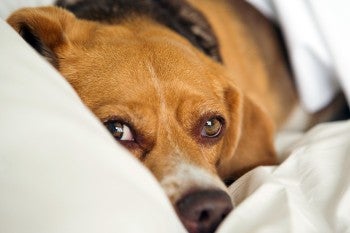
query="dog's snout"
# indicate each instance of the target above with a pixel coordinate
(202, 211)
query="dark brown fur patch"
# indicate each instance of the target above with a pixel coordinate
(29, 36)
(178, 15)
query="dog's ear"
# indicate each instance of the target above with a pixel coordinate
(256, 144)
(42, 28)
(253, 131)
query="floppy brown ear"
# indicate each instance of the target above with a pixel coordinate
(43, 28)
(255, 142)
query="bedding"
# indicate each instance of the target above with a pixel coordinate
(61, 171)
(316, 35)
(307, 192)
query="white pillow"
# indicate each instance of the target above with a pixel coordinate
(9, 6)
(60, 170)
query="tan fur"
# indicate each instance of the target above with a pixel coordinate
(155, 79)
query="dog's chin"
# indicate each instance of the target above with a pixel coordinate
(199, 197)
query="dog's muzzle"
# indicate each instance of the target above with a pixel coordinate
(202, 211)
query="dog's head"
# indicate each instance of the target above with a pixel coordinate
(177, 110)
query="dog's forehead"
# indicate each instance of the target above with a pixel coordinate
(137, 68)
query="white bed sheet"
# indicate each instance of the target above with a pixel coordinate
(60, 170)
(308, 192)
(317, 38)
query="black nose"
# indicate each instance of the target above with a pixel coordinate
(202, 211)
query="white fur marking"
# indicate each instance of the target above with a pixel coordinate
(163, 116)
(186, 177)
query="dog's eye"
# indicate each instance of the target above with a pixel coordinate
(212, 127)
(119, 130)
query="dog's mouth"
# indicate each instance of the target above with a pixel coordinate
(202, 211)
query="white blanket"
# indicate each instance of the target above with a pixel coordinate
(317, 35)
(61, 171)
(308, 192)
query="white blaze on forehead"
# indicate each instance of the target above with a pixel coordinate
(186, 177)
(163, 110)
(160, 94)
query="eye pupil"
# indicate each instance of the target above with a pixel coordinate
(212, 128)
(119, 130)
(116, 128)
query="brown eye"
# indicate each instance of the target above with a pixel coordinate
(119, 130)
(212, 128)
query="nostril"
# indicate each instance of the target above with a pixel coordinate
(204, 210)
(204, 216)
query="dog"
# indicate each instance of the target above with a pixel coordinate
(196, 90)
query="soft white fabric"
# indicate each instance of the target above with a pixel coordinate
(308, 192)
(9, 6)
(60, 170)
(317, 36)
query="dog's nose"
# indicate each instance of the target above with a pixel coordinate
(202, 211)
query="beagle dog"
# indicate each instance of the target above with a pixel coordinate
(194, 89)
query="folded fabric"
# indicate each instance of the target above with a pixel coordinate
(308, 192)
(317, 37)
